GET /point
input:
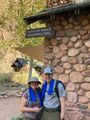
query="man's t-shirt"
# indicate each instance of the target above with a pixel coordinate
(52, 101)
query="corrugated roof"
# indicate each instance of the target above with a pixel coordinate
(55, 10)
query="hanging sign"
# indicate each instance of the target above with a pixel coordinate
(39, 32)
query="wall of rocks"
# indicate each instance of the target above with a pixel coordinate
(51, 3)
(68, 52)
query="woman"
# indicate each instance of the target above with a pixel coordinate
(31, 100)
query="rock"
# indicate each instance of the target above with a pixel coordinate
(81, 106)
(72, 97)
(49, 56)
(73, 52)
(71, 19)
(59, 69)
(76, 115)
(85, 86)
(55, 62)
(68, 71)
(58, 38)
(70, 44)
(87, 43)
(80, 60)
(68, 26)
(72, 60)
(89, 108)
(87, 79)
(84, 49)
(60, 34)
(77, 86)
(69, 104)
(55, 49)
(83, 100)
(5, 96)
(76, 77)
(64, 78)
(46, 49)
(55, 76)
(79, 27)
(64, 23)
(87, 117)
(1, 97)
(86, 73)
(64, 58)
(54, 42)
(83, 32)
(70, 87)
(88, 67)
(63, 47)
(71, 32)
(73, 39)
(78, 44)
(79, 67)
(81, 92)
(85, 37)
(87, 27)
(88, 95)
(85, 22)
(86, 112)
(65, 40)
(87, 61)
(60, 54)
(67, 65)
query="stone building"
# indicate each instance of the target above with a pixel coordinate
(68, 52)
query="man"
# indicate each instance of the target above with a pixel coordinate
(54, 106)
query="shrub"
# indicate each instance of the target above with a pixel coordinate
(16, 118)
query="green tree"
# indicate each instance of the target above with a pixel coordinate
(12, 13)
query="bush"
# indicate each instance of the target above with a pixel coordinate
(17, 118)
(5, 77)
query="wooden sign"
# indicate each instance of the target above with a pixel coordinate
(39, 32)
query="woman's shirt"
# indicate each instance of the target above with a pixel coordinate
(30, 104)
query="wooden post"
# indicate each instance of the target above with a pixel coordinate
(30, 68)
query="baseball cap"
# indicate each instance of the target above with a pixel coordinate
(48, 70)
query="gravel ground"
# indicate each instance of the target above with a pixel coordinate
(9, 108)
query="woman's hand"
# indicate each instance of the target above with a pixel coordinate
(36, 109)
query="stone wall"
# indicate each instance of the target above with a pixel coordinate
(51, 3)
(69, 53)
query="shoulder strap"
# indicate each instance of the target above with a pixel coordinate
(24, 91)
(56, 87)
(39, 89)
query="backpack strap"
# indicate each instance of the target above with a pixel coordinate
(56, 87)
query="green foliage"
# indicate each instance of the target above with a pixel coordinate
(16, 118)
(5, 77)
(28, 8)
(11, 20)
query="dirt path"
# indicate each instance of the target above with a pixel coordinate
(9, 108)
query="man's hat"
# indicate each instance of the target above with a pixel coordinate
(34, 79)
(48, 70)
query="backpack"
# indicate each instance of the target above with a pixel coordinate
(56, 87)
